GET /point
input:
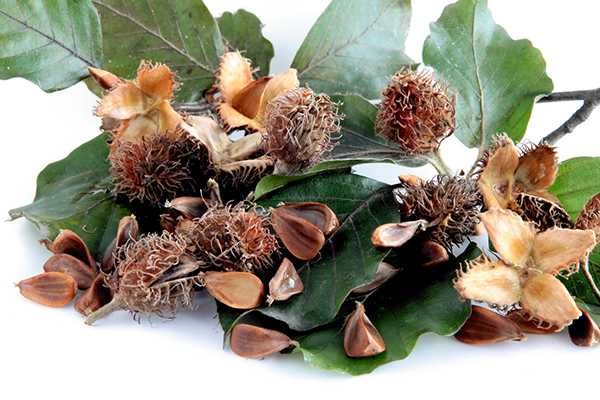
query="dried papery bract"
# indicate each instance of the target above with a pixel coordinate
(486, 326)
(449, 205)
(285, 283)
(416, 112)
(303, 239)
(232, 238)
(243, 100)
(51, 289)
(141, 106)
(241, 290)
(584, 331)
(525, 274)
(529, 325)
(253, 341)
(299, 129)
(361, 338)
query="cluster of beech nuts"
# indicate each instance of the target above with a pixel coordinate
(246, 257)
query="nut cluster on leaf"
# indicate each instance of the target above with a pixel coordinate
(416, 112)
(443, 210)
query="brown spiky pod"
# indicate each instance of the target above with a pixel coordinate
(230, 238)
(298, 129)
(157, 167)
(416, 112)
(450, 206)
(151, 275)
(589, 218)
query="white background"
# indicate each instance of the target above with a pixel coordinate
(48, 351)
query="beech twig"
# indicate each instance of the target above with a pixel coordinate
(591, 99)
(195, 108)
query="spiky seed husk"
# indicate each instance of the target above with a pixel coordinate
(231, 238)
(298, 129)
(416, 111)
(450, 205)
(141, 264)
(159, 167)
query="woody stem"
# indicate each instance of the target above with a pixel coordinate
(583, 266)
(434, 158)
(591, 99)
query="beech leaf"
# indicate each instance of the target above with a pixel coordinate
(75, 193)
(354, 46)
(50, 43)
(579, 287)
(181, 34)
(243, 31)
(358, 138)
(498, 79)
(576, 182)
(347, 259)
(414, 302)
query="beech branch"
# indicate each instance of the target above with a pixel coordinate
(591, 99)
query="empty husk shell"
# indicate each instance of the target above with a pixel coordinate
(66, 263)
(395, 234)
(485, 326)
(584, 331)
(285, 283)
(384, 272)
(317, 214)
(302, 238)
(252, 341)
(361, 338)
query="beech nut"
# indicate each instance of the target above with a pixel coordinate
(52, 289)
(252, 341)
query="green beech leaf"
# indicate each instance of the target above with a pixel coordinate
(577, 181)
(181, 34)
(274, 182)
(50, 43)
(498, 79)
(354, 46)
(412, 303)
(75, 193)
(347, 259)
(243, 31)
(358, 138)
